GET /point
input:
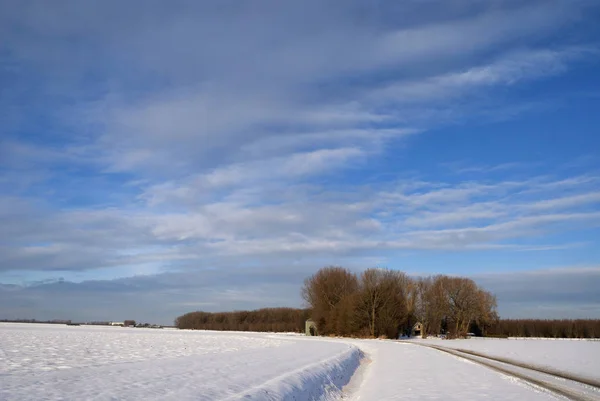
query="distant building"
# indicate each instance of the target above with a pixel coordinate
(117, 323)
(417, 330)
(310, 328)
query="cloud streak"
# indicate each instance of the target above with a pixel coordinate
(145, 139)
(178, 225)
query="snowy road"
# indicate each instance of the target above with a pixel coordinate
(39, 362)
(569, 385)
(578, 357)
(409, 372)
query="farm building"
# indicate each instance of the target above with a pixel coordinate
(417, 330)
(310, 328)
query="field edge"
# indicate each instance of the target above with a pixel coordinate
(323, 380)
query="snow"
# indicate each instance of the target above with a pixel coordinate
(53, 362)
(36, 347)
(399, 371)
(581, 358)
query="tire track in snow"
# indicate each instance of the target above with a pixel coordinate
(576, 388)
(540, 369)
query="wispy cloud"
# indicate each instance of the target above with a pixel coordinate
(176, 139)
(568, 201)
(179, 224)
(508, 70)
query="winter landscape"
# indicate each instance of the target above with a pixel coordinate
(299, 200)
(56, 362)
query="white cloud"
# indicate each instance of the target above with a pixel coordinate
(278, 144)
(567, 201)
(187, 101)
(283, 218)
(205, 136)
(507, 70)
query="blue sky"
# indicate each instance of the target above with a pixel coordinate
(159, 158)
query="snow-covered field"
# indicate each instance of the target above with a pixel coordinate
(581, 358)
(54, 362)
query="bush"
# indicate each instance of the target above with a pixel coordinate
(496, 336)
(565, 328)
(266, 319)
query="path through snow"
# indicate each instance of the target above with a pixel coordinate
(408, 372)
(39, 362)
(578, 357)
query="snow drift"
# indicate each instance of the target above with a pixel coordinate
(321, 381)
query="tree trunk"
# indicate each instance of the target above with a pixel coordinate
(373, 320)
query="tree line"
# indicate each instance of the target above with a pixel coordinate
(378, 302)
(387, 303)
(565, 328)
(266, 319)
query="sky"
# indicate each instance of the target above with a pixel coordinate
(160, 157)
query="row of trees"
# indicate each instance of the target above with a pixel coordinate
(267, 319)
(382, 302)
(580, 328)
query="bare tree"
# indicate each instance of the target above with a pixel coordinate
(329, 293)
(456, 302)
(487, 315)
(463, 303)
(381, 304)
(431, 304)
